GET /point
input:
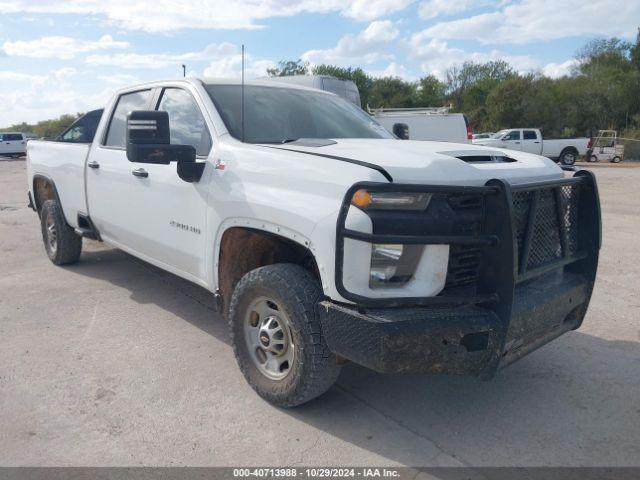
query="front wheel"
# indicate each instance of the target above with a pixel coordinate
(593, 158)
(276, 335)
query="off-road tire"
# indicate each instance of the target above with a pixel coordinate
(314, 368)
(68, 243)
(616, 159)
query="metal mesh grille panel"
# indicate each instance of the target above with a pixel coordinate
(464, 261)
(555, 214)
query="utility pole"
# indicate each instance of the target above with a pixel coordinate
(184, 70)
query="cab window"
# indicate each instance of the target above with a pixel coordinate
(82, 130)
(186, 123)
(512, 135)
(118, 125)
(530, 135)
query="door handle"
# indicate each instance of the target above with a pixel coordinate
(93, 164)
(517, 143)
(536, 142)
(140, 172)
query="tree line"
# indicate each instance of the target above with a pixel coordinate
(602, 91)
(44, 128)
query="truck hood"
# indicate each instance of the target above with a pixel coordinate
(437, 163)
(488, 142)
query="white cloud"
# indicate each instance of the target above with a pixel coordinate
(119, 79)
(437, 56)
(169, 15)
(231, 67)
(225, 60)
(161, 60)
(557, 70)
(372, 9)
(393, 70)
(540, 20)
(363, 47)
(22, 77)
(30, 98)
(435, 8)
(59, 47)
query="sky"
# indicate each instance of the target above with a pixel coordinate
(68, 56)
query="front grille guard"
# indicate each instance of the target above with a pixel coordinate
(527, 230)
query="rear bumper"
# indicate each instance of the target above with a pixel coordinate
(462, 340)
(532, 283)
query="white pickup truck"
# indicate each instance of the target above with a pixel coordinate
(564, 150)
(322, 238)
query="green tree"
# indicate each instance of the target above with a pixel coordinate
(45, 128)
(483, 75)
(392, 92)
(358, 76)
(286, 68)
(430, 92)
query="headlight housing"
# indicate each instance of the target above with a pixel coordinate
(390, 200)
(393, 265)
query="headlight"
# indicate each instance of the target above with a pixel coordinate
(393, 265)
(390, 200)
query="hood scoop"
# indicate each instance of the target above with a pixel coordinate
(313, 142)
(480, 156)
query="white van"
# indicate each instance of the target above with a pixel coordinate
(435, 124)
(343, 88)
(13, 144)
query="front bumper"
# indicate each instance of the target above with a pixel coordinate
(527, 290)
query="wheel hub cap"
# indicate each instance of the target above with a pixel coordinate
(52, 235)
(268, 338)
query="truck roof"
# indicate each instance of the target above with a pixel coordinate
(222, 81)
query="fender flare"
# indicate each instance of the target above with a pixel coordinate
(49, 180)
(259, 226)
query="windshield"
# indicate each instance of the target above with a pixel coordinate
(280, 115)
(500, 134)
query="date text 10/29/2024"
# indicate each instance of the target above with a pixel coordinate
(362, 472)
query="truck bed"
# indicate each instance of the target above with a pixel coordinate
(552, 147)
(63, 163)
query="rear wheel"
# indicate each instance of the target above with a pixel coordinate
(276, 334)
(62, 244)
(568, 157)
(616, 159)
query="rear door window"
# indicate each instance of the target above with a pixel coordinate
(82, 131)
(530, 135)
(127, 102)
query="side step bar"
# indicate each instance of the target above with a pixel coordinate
(86, 228)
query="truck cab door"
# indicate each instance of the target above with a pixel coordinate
(147, 209)
(531, 142)
(512, 140)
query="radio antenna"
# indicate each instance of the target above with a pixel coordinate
(242, 97)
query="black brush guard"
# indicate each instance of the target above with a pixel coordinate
(523, 261)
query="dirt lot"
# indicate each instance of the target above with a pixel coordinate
(114, 362)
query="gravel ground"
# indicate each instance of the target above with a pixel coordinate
(114, 362)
